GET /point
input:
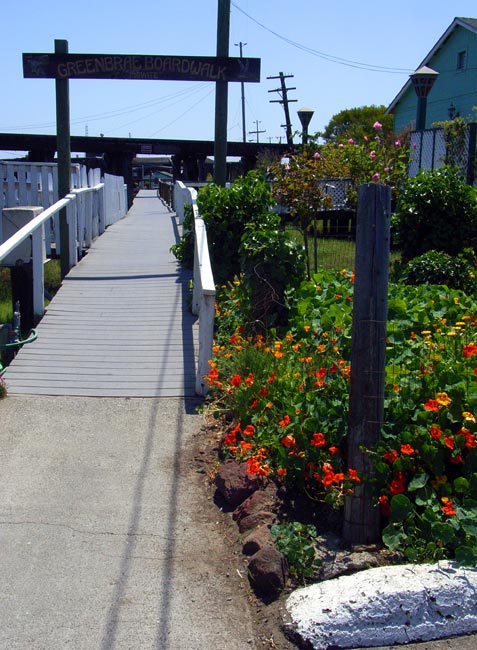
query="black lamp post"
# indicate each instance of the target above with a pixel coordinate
(422, 80)
(305, 114)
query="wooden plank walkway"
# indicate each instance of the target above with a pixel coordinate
(119, 326)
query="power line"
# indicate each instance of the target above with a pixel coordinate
(324, 55)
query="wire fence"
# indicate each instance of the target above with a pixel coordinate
(434, 148)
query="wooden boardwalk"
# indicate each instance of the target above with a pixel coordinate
(119, 326)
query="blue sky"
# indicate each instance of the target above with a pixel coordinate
(300, 37)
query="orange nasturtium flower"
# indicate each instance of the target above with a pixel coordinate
(281, 471)
(318, 440)
(288, 441)
(448, 507)
(407, 450)
(432, 405)
(286, 421)
(469, 350)
(249, 430)
(435, 431)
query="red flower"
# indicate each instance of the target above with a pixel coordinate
(456, 459)
(254, 403)
(391, 455)
(469, 350)
(407, 450)
(353, 475)
(384, 505)
(448, 508)
(334, 450)
(285, 422)
(250, 379)
(397, 484)
(432, 405)
(288, 441)
(263, 392)
(236, 380)
(449, 442)
(249, 430)
(435, 431)
(318, 440)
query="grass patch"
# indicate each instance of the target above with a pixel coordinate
(52, 270)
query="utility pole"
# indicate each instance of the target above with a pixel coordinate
(221, 96)
(242, 87)
(282, 91)
(256, 132)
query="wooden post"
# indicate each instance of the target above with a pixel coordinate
(361, 519)
(221, 96)
(63, 144)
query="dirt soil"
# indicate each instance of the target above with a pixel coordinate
(267, 616)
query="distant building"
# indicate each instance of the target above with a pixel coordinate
(454, 93)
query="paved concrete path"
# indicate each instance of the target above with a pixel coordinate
(106, 543)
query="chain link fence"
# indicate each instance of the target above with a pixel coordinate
(433, 148)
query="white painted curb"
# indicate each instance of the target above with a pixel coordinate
(386, 606)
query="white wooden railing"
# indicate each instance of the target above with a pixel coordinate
(36, 184)
(88, 211)
(203, 297)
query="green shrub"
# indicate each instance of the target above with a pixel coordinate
(226, 212)
(436, 211)
(271, 262)
(435, 267)
(184, 249)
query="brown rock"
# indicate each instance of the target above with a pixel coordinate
(256, 540)
(267, 569)
(234, 483)
(259, 500)
(259, 518)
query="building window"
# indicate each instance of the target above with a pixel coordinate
(461, 57)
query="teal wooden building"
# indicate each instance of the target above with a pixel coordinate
(454, 93)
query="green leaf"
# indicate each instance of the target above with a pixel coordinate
(419, 481)
(394, 536)
(401, 508)
(461, 485)
(444, 532)
(466, 555)
(469, 526)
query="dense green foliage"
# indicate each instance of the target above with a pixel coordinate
(436, 211)
(184, 249)
(356, 123)
(286, 400)
(226, 212)
(435, 267)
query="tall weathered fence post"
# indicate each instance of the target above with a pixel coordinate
(361, 520)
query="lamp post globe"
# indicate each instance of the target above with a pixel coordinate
(305, 114)
(422, 79)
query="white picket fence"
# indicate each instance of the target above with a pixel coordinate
(36, 184)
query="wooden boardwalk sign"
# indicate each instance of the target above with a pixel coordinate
(138, 66)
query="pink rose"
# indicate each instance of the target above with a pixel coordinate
(316, 155)
(350, 141)
(377, 126)
(341, 146)
(397, 143)
(386, 169)
(372, 154)
(376, 177)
